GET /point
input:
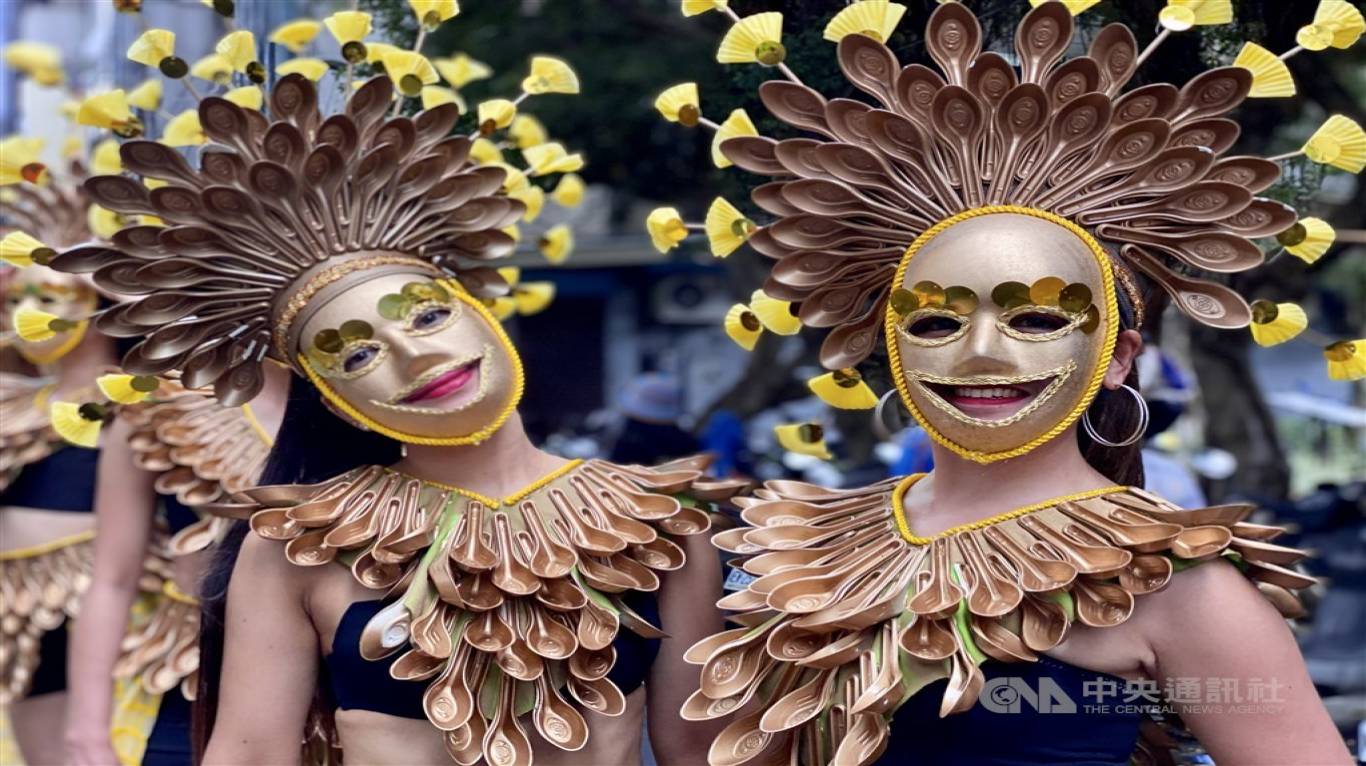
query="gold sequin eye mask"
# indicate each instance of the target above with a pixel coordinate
(399, 306)
(332, 347)
(932, 315)
(1046, 310)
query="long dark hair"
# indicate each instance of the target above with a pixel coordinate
(1115, 414)
(312, 445)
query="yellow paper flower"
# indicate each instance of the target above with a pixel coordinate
(1074, 7)
(103, 222)
(754, 39)
(485, 152)
(19, 249)
(1308, 239)
(126, 389)
(238, 48)
(72, 426)
(348, 26)
(551, 157)
(1270, 76)
(184, 130)
(727, 228)
(844, 390)
(461, 70)
(34, 326)
(311, 68)
(19, 160)
(742, 326)
(526, 131)
(146, 96)
(430, 13)
(295, 35)
(1337, 24)
(1276, 323)
(495, 114)
(533, 297)
(1180, 15)
(680, 104)
(152, 47)
(804, 439)
(877, 19)
(409, 71)
(550, 75)
(666, 228)
(534, 199)
(775, 315)
(106, 110)
(1339, 142)
(105, 160)
(436, 95)
(1346, 359)
(247, 97)
(213, 68)
(737, 124)
(569, 191)
(376, 51)
(694, 7)
(556, 243)
(40, 61)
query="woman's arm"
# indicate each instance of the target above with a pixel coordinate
(125, 503)
(687, 607)
(270, 661)
(1256, 703)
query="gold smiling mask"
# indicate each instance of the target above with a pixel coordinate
(411, 356)
(1000, 329)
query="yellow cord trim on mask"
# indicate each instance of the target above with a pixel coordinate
(514, 498)
(903, 526)
(1107, 278)
(174, 593)
(41, 549)
(518, 384)
(261, 432)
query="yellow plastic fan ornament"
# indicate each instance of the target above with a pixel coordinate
(110, 111)
(409, 71)
(376, 51)
(1308, 239)
(430, 13)
(876, 19)
(843, 389)
(103, 222)
(349, 28)
(513, 231)
(1337, 24)
(694, 7)
(569, 191)
(311, 68)
(666, 228)
(239, 48)
(1270, 76)
(436, 95)
(551, 157)
(36, 326)
(247, 97)
(1074, 7)
(1339, 142)
(104, 159)
(153, 47)
(126, 389)
(485, 152)
(737, 124)
(212, 68)
(743, 326)
(550, 75)
(1181, 15)
(40, 61)
(295, 35)
(527, 131)
(754, 39)
(495, 114)
(775, 315)
(184, 130)
(20, 249)
(72, 147)
(1346, 359)
(19, 160)
(534, 199)
(533, 297)
(460, 70)
(70, 422)
(680, 103)
(146, 96)
(556, 243)
(804, 439)
(1276, 323)
(510, 274)
(727, 228)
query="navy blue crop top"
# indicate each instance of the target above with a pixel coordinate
(178, 515)
(361, 684)
(62, 481)
(1005, 729)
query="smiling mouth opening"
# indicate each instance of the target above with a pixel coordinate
(962, 396)
(991, 401)
(445, 384)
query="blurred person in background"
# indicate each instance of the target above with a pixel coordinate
(652, 404)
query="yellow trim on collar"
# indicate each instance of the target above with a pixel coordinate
(1107, 278)
(41, 549)
(904, 526)
(256, 426)
(518, 385)
(514, 498)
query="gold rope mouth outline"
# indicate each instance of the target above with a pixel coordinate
(396, 402)
(1059, 376)
(1107, 351)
